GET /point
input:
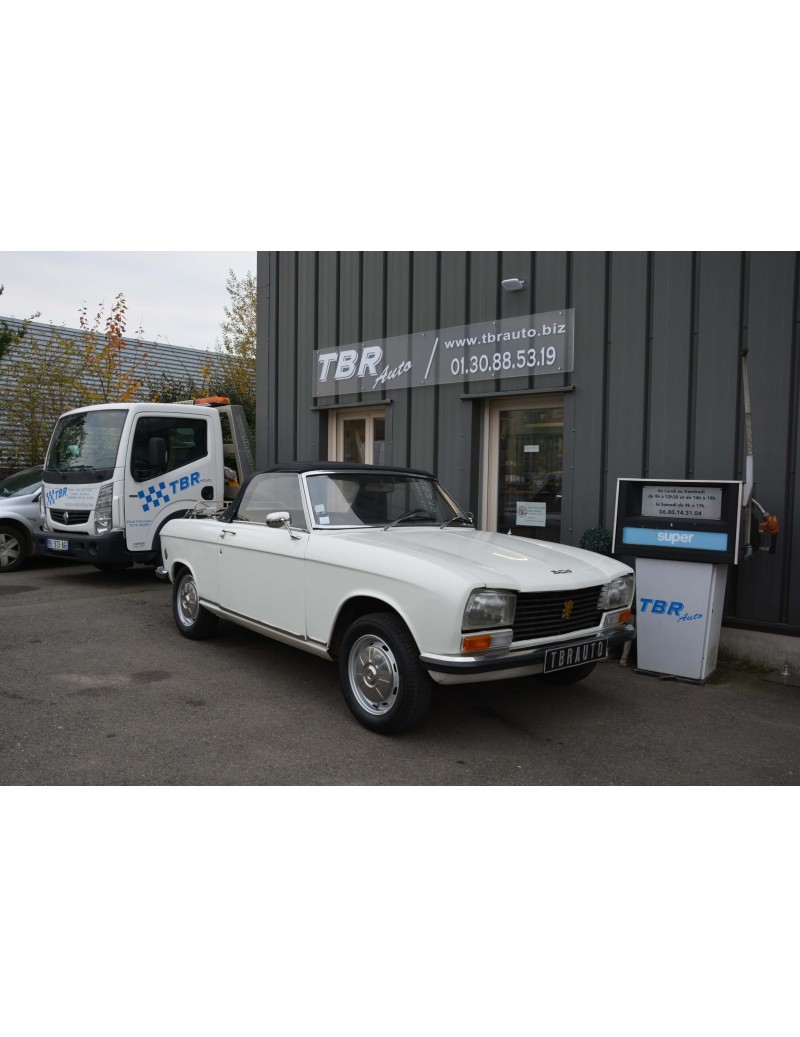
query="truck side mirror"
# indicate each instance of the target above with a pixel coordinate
(157, 452)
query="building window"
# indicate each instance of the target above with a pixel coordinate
(358, 436)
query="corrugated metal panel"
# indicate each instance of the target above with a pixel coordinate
(626, 358)
(266, 353)
(288, 389)
(551, 290)
(716, 445)
(791, 512)
(657, 380)
(373, 296)
(516, 304)
(175, 361)
(770, 342)
(589, 274)
(483, 302)
(308, 431)
(398, 322)
(456, 420)
(670, 366)
(151, 360)
(423, 406)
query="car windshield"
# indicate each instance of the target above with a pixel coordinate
(21, 483)
(381, 498)
(86, 441)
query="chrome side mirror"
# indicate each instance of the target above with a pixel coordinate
(281, 519)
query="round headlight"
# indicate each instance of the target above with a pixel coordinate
(488, 608)
(616, 595)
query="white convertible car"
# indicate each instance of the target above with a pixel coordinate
(379, 568)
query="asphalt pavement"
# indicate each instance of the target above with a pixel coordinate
(97, 687)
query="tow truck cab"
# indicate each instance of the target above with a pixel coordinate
(116, 473)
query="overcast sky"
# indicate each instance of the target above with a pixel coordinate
(176, 297)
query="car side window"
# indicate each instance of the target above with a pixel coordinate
(273, 491)
(162, 444)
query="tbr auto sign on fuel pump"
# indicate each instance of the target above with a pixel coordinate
(537, 344)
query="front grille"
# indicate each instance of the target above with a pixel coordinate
(550, 614)
(69, 517)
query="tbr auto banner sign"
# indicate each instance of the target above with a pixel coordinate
(538, 344)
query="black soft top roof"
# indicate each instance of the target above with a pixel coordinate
(318, 466)
(340, 466)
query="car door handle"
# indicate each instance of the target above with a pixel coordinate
(230, 533)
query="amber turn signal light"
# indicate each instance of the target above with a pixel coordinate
(479, 643)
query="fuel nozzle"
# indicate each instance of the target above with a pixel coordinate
(769, 524)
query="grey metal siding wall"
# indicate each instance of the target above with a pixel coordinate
(152, 361)
(656, 385)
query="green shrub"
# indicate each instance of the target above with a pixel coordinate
(597, 540)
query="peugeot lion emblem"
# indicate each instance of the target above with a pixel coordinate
(66, 516)
(566, 612)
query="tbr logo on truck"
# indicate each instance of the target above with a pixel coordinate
(55, 495)
(155, 496)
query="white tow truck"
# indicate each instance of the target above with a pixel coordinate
(116, 473)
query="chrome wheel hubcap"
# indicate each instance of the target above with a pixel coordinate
(188, 604)
(374, 674)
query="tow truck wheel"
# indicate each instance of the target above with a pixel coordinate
(13, 552)
(191, 618)
(384, 684)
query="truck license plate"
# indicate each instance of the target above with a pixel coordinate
(57, 545)
(575, 655)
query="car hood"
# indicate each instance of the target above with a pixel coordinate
(498, 560)
(24, 504)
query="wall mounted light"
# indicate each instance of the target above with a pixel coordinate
(513, 284)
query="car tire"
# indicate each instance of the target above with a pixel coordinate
(193, 621)
(569, 676)
(384, 684)
(13, 549)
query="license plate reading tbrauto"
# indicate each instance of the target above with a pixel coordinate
(575, 655)
(58, 545)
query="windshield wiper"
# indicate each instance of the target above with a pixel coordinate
(415, 513)
(458, 520)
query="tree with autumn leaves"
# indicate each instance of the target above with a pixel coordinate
(109, 368)
(231, 369)
(46, 374)
(52, 373)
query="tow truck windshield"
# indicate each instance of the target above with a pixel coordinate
(85, 445)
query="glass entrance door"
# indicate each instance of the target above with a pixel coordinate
(525, 464)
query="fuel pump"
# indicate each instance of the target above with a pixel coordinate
(684, 535)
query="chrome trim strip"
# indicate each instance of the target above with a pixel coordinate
(276, 633)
